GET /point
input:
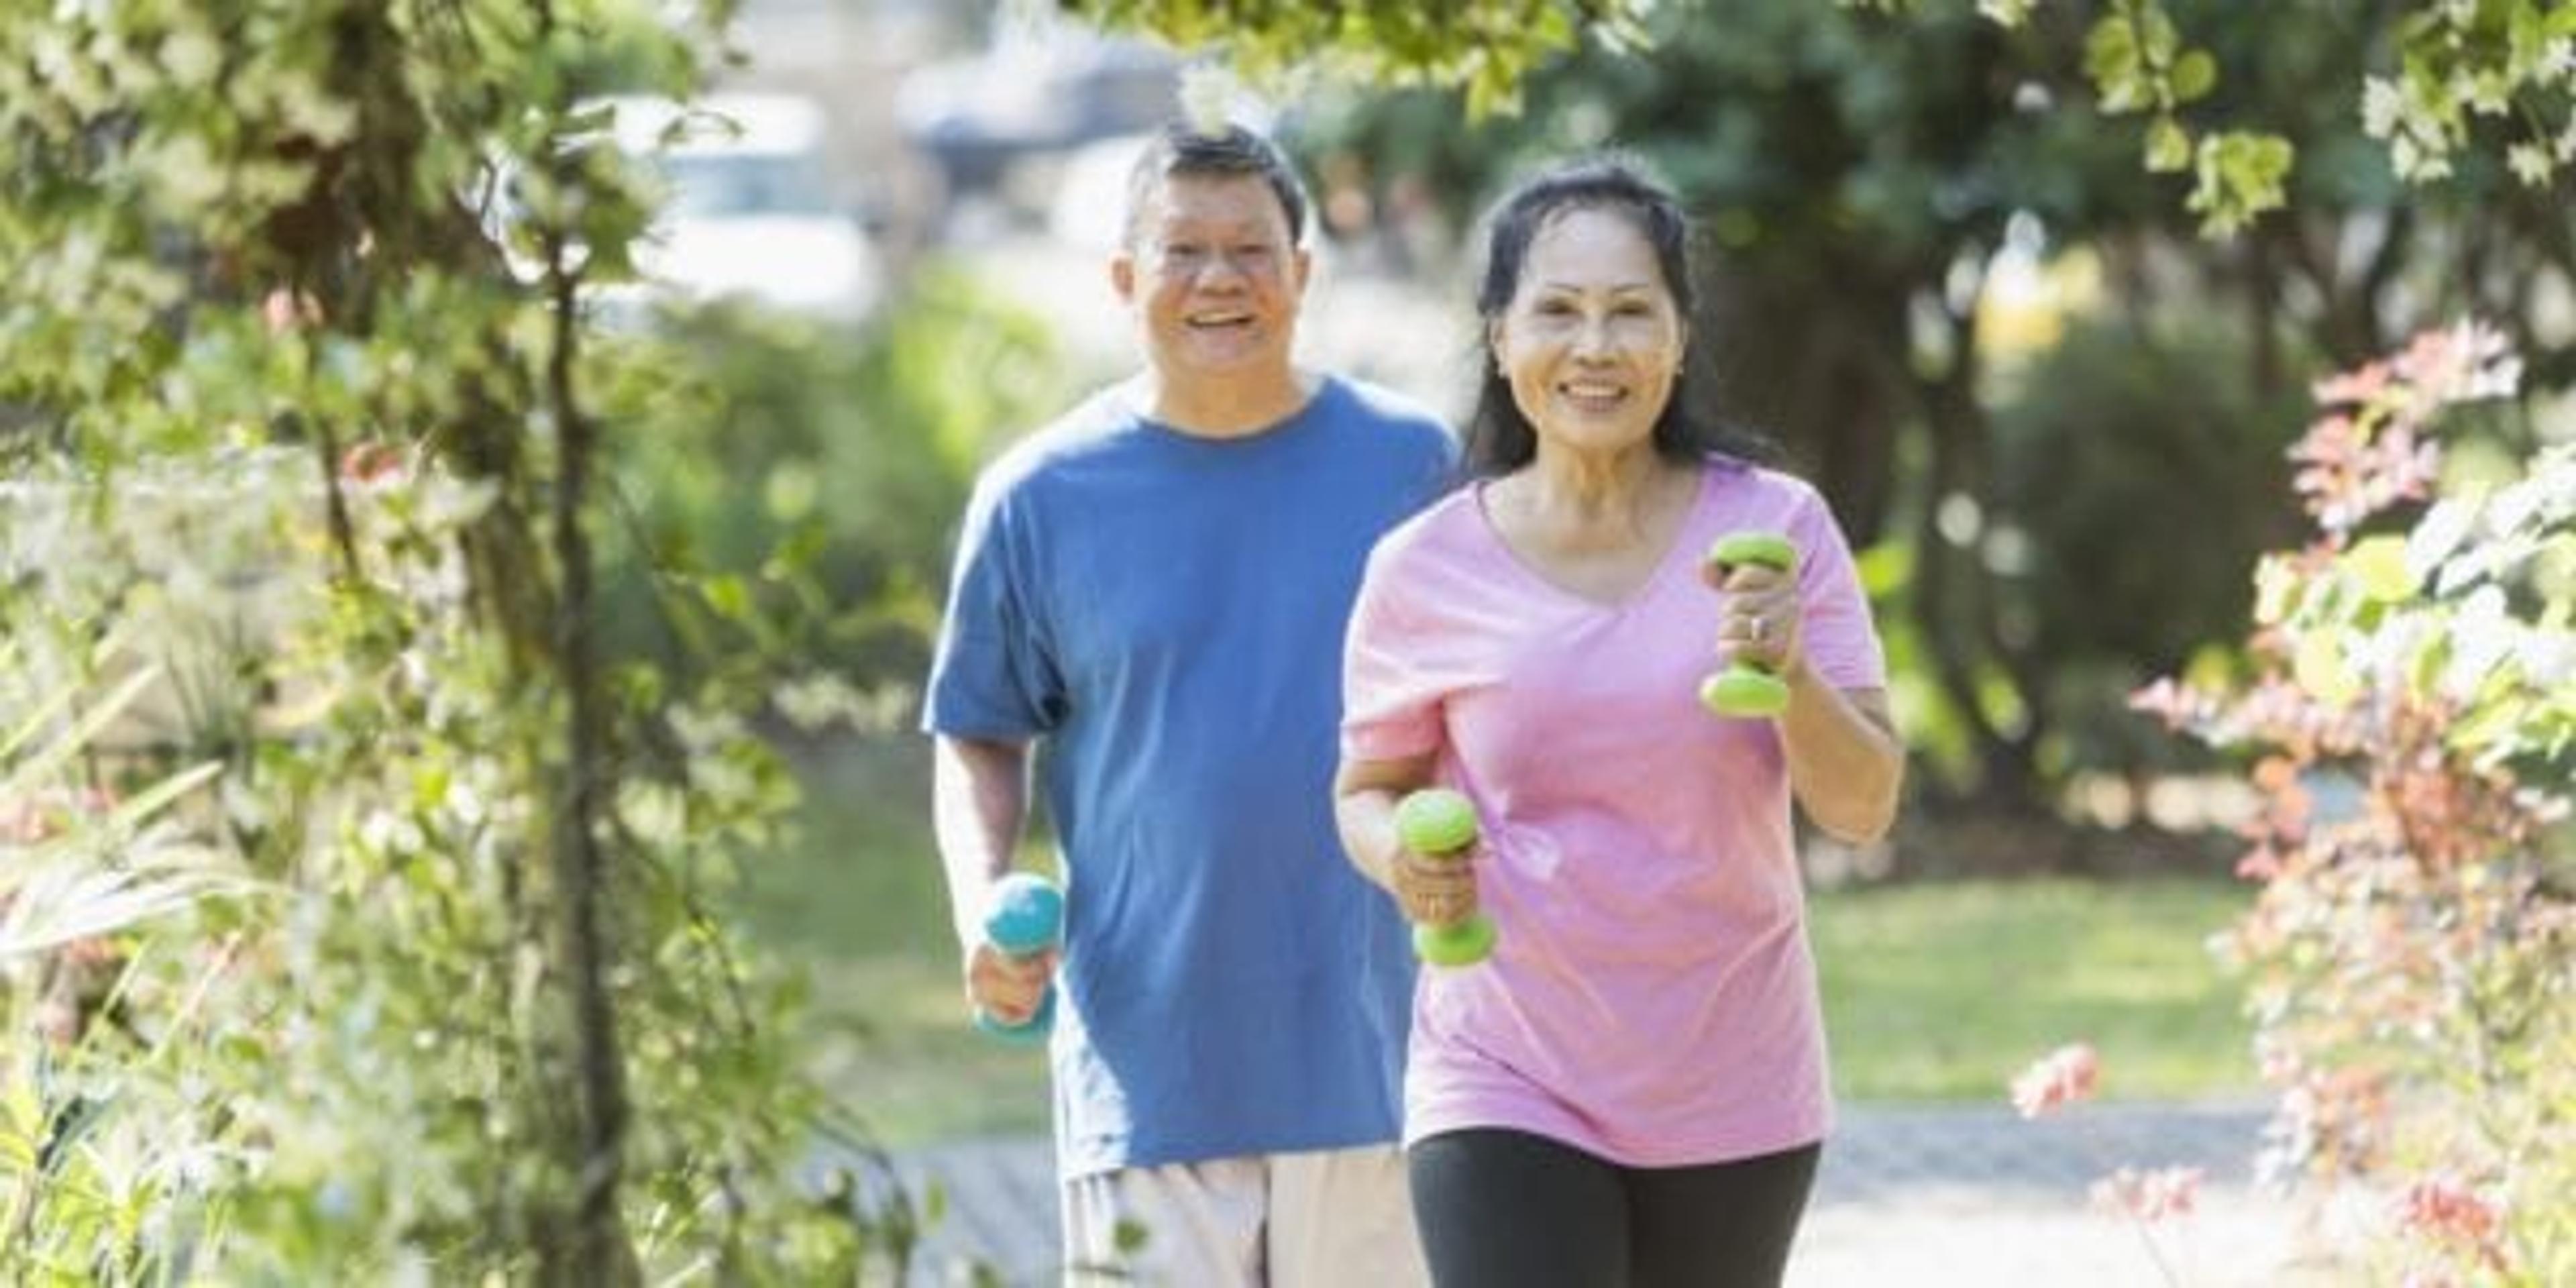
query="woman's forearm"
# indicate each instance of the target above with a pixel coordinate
(1846, 764)
(1364, 798)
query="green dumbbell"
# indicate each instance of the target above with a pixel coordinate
(1438, 823)
(1745, 688)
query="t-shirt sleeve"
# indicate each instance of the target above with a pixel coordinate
(993, 674)
(1841, 639)
(1390, 707)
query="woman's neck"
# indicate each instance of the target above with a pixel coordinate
(1590, 500)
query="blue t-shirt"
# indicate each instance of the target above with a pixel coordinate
(1166, 613)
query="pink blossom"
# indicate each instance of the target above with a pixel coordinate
(2175, 704)
(371, 461)
(2446, 1210)
(284, 309)
(2354, 387)
(2262, 863)
(2150, 1196)
(2062, 1077)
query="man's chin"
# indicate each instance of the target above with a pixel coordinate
(1224, 359)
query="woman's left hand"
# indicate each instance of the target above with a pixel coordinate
(1761, 619)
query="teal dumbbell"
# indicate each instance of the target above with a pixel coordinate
(1024, 917)
(1438, 823)
(1743, 688)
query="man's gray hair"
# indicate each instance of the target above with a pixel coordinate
(1183, 150)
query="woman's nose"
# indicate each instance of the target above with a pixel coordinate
(1592, 338)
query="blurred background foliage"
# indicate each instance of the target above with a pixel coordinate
(275, 366)
(807, 477)
(1940, 274)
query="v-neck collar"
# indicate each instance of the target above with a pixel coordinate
(1680, 547)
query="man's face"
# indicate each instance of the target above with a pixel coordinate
(1214, 276)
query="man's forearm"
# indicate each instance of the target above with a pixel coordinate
(980, 799)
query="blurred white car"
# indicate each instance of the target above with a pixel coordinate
(751, 211)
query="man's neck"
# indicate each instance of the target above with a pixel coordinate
(1235, 407)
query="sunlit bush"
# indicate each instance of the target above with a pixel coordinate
(2412, 728)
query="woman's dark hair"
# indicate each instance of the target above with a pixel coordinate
(1499, 439)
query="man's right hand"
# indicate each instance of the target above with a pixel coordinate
(1005, 987)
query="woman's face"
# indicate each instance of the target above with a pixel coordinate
(1592, 338)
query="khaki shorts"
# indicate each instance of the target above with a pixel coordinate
(1329, 1219)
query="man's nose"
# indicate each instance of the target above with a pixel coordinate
(1222, 267)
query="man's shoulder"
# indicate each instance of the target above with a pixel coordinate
(1095, 423)
(1370, 402)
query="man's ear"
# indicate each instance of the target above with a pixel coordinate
(1301, 262)
(1122, 275)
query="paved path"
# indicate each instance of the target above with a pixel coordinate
(1907, 1195)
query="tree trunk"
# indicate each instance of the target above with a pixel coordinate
(596, 1250)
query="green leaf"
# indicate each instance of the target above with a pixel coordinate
(2111, 61)
(2239, 175)
(2318, 665)
(2379, 566)
(2158, 39)
(2194, 75)
(729, 596)
(2168, 146)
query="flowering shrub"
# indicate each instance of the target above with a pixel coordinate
(2063, 1077)
(2068, 1076)
(2410, 720)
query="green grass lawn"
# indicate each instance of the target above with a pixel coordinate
(1944, 991)
(1937, 991)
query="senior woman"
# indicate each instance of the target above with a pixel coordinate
(1632, 1088)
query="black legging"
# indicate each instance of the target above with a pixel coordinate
(1500, 1209)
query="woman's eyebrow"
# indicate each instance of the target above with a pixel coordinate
(1615, 288)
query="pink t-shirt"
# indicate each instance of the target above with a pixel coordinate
(1651, 998)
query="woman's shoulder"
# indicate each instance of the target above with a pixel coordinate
(1443, 526)
(1743, 494)
(1739, 477)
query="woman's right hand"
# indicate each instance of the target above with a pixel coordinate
(1005, 987)
(1435, 891)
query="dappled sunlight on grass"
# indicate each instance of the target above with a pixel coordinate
(1942, 990)
(857, 903)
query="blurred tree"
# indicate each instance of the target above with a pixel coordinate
(811, 478)
(1482, 48)
(1855, 193)
(2452, 81)
(306, 398)
(1861, 178)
